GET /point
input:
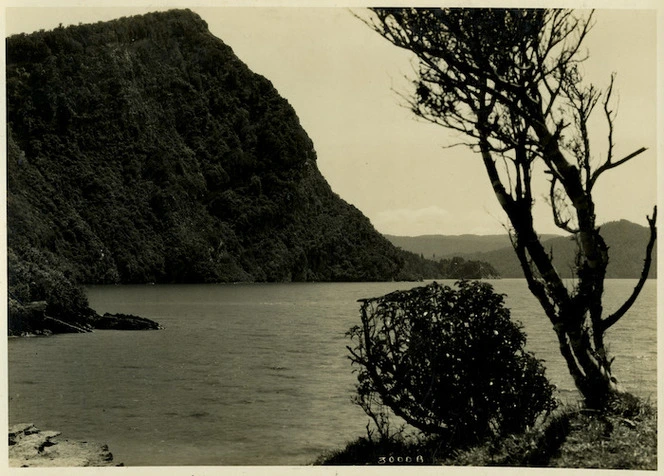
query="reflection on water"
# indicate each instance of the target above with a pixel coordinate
(249, 374)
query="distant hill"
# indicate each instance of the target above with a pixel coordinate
(444, 246)
(626, 241)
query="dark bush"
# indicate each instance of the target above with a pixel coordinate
(35, 277)
(449, 362)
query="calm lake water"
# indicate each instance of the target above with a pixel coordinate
(249, 374)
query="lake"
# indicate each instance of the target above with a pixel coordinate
(250, 374)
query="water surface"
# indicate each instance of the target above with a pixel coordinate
(249, 374)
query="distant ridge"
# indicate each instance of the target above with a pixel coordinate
(442, 246)
(626, 241)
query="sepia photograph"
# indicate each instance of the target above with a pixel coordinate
(344, 235)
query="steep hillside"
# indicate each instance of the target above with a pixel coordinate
(143, 150)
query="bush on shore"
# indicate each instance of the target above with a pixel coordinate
(449, 362)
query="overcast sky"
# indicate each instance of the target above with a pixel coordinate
(343, 79)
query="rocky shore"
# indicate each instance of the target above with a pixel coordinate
(125, 322)
(32, 447)
(33, 319)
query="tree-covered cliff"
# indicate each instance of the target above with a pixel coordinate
(150, 153)
(143, 150)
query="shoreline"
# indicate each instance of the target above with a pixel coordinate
(31, 447)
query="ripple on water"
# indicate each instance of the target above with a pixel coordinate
(254, 374)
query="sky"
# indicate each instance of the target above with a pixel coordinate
(344, 81)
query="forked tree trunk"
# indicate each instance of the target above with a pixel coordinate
(576, 320)
(588, 366)
(576, 316)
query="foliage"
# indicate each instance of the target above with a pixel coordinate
(448, 268)
(449, 362)
(37, 277)
(509, 81)
(622, 436)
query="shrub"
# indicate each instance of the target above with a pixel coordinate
(449, 362)
(36, 276)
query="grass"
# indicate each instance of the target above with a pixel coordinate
(623, 436)
(613, 440)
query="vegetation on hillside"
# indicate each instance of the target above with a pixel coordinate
(143, 150)
(446, 246)
(625, 241)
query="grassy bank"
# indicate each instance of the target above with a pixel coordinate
(623, 436)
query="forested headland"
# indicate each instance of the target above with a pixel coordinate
(142, 150)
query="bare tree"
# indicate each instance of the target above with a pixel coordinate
(508, 80)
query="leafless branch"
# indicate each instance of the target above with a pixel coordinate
(611, 165)
(555, 203)
(610, 116)
(615, 317)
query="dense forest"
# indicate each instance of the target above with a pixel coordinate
(142, 150)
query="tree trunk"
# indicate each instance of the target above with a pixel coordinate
(588, 366)
(576, 317)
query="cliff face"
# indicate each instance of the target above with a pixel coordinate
(144, 150)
